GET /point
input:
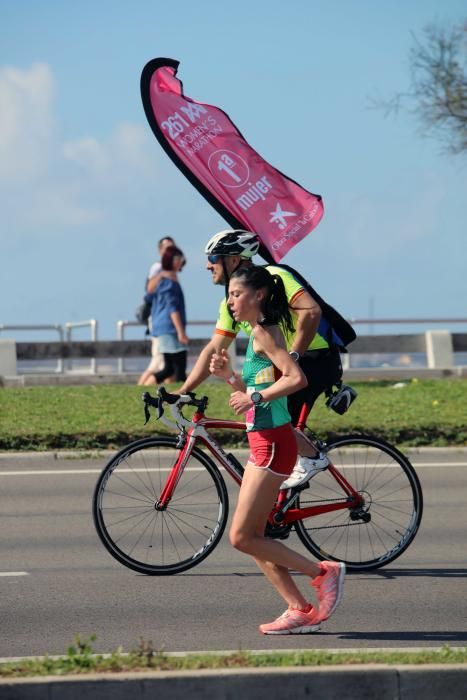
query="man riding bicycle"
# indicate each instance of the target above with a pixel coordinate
(229, 250)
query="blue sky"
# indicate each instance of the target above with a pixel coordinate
(86, 191)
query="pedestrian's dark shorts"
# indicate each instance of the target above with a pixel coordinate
(322, 368)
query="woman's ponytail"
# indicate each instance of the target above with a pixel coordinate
(276, 306)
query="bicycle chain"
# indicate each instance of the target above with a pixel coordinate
(328, 527)
(325, 500)
(331, 527)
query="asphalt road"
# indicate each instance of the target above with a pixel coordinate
(57, 580)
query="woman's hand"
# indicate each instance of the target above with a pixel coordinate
(183, 339)
(220, 365)
(240, 402)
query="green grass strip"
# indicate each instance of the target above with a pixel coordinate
(80, 658)
(411, 413)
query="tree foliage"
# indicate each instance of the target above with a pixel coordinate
(437, 95)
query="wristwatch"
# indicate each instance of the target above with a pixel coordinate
(256, 397)
(294, 355)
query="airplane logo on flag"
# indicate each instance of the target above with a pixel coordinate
(278, 217)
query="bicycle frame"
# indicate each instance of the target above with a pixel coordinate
(197, 430)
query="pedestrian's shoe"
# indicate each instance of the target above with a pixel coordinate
(329, 587)
(293, 621)
(305, 468)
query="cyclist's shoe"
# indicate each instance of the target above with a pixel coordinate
(293, 622)
(305, 468)
(329, 586)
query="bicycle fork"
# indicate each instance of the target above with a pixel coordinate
(186, 442)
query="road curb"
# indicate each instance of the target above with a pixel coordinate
(346, 683)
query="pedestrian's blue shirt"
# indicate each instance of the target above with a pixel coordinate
(167, 298)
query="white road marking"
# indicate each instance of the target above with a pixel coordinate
(76, 472)
(13, 573)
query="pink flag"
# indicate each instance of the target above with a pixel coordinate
(209, 149)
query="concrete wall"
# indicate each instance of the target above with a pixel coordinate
(439, 347)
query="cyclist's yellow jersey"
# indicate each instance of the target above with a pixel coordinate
(227, 326)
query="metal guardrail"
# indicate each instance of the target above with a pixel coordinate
(45, 327)
(123, 325)
(402, 321)
(438, 346)
(65, 333)
(85, 349)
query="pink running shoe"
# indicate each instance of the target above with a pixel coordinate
(293, 622)
(329, 588)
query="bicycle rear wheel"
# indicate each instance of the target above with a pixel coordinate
(378, 532)
(151, 541)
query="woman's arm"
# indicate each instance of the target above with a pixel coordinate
(221, 366)
(177, 321)
(292, 379)
(307, 321)
(270, 342)
(154, 282)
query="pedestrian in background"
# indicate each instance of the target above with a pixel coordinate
(162, 246)
(168, 318)
(157, 359)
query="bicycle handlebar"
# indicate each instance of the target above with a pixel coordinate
(175, 402)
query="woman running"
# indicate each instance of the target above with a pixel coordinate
(269, 375)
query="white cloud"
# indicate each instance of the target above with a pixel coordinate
(59, 204)
(87, 153)
(54, 184)
(26, 122)
(115, 161)
(375, 224)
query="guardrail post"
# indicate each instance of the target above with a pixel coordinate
(93, 324)
(60, 365)
(345, 360)
(8, 357)
(120, 336)
(121, 326)
(69, 326)
(439, 350)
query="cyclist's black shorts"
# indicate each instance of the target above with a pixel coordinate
(322, 368)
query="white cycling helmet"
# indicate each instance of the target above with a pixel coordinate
(233, 242)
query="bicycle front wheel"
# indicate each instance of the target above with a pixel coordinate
(152, 541)
(384, 526)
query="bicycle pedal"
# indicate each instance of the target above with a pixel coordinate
(277, 532)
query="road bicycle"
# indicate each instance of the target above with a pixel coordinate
(160, 505)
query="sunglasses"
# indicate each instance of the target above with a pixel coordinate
(213, 259)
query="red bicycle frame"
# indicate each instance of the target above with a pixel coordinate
(281, 514)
